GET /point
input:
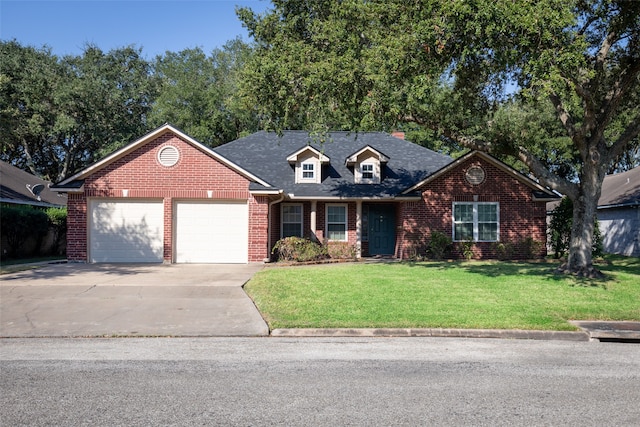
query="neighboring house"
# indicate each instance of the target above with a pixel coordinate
(619, 213)
(18, 187)
(168, 198)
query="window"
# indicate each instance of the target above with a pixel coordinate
(291, 219)
(337, 222)
(476, 221)
(367, 171)
(308, 171)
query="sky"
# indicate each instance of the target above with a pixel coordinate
(156, 26)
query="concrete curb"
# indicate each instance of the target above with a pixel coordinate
(433, 332)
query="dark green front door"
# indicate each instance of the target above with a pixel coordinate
(382, 229)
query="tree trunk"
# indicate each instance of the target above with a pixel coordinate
(580, 259)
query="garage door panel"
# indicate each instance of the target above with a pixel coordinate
(212, 232)
(129, 231)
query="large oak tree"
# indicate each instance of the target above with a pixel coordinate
(460, 68)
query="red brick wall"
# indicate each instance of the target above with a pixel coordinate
(520, 216)
(76, 227)
(144, 177)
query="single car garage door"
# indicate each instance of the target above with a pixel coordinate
(212, 232)
(126, 231)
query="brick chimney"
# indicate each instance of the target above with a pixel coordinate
(398, 134)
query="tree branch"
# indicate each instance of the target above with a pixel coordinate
(603, 52)
(632, 131)
(545, 176)
(615, 95)
(563, 115)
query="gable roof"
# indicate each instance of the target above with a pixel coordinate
(266, 153)
(74, 183)
(540, 192)
(293, 158)
(22, 188)
(621, 189)
(353, 158)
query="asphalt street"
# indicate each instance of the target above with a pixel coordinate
(318, 381)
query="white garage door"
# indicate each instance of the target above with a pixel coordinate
(130, 231)
(212, 232)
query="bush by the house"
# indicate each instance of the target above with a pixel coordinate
(439, 245)
(19, 224)
(29, 231)
(58, 226)
(299, 249)
(504, 250)
(341, 250)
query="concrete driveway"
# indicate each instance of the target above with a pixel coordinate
(98, 300)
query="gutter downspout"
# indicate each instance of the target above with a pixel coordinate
(281, 198)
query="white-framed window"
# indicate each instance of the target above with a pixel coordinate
(291, 220)
(477, 221)
(367, 171)
(336, 219)
(308, 171)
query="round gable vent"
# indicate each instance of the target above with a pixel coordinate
(475, 175)
(168, 155)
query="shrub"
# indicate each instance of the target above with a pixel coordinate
(299, 249)
(466, 247)
(19, 223)
(439, 245)
(417, 247)
(530, 248)
(58, 223)
(503, 250)
(341, 250)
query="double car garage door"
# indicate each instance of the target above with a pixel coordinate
(133, 231)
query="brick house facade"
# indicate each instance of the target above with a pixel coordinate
(167, 198)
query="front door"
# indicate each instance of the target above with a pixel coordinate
(382, 232)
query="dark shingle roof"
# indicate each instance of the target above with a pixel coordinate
(622, 189)
(265, 155)
(20, 187)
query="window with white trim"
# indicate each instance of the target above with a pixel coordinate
(291, 220)
(477, 221)
(336, 218)
(367, 171)
(308, 171)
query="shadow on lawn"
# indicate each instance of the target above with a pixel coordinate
(545, 269)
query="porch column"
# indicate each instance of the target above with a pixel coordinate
(312, 220)
(358, 228)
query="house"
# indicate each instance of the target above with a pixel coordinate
(18, 187)
(167, 198)
(619, 213)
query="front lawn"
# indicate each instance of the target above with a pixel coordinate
(476, 295)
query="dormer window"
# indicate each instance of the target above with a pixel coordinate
(367, 165)
(367, 171)
(308, 171)
(307, 163)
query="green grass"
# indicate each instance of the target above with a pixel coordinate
(477, 295)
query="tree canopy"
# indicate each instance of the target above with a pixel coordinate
(58, 115)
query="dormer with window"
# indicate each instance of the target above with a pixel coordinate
(367, 164)
(308, 165)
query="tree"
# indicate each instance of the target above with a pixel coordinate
(199, 93)
(28, 79)
(447, 65)
(61, 114)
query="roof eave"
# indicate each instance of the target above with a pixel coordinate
(149, 137)
(505, 168)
